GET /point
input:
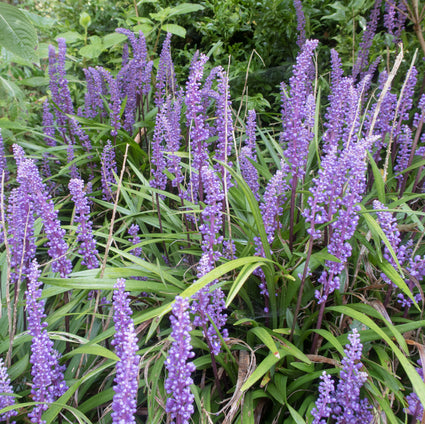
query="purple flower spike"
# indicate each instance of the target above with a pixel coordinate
(115, 100)
(367, 39)
(166, 83)
(135, 239)
(249, 172)
(124, 403)
(344, 404)
(109, 166)
(196, 121)
(84, 229)
(297, 111)
(48, 381)
(326, 391)
(30, 182)
(5, 400)
(300, 22)
(178, 382)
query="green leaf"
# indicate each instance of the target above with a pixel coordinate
(379, 181)
(92, 51)
(295, 415)
(93, 349)
(71, 37)
(265, 366)
(267, 339)
(113, 39)
(174, 29)
(17, 34)
(246, 271)
(34, 82)
(184, 8)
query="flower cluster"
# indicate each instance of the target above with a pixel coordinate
(109, 166)
(36, 191)
(248, 154)
(414, 266)
(48, 382)
(134, 77)
(6, 399)
(84, 229)
(180, 403)
(124, 402)
(343, 404)
(166, 84)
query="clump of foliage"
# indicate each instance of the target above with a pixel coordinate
(169, 258)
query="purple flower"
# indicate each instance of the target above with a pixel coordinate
(207, 303)
(196, 123)
(394, 18)
(415, 266)
(95, 90)
(326, 392)
(296, 112)
(300, 22)
(20, 219)
(109, 166)
(180, 404)
(84, 229)
(248, 152)
(6, 388)
(135, 239)
(30, 182)
(223, 126)
(273, 198)
(344, 221)
(135, 77)
(350, 408)
(343, 404)
(161, 133)
(166, 83)
(124, 403)
(48, 382)
(115, 100)
(367, 39)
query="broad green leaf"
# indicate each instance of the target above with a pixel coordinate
(71, 36)
(92, 51)
(34, 81)
(174, 29)
(264, 366)
(184, 8)
(113, 39)
(17, 34)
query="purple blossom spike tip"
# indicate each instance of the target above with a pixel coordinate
(6, 389)
(84, 229)
(124, 403)
(177, 385)
(48, 381)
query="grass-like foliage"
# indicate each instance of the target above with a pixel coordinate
(168, 258)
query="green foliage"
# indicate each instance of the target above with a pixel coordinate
(267, 369)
